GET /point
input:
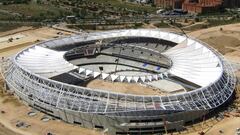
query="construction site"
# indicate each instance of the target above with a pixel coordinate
(18, 118)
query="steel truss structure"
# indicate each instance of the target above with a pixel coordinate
(118, 112)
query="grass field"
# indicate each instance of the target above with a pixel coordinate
(56, 10)
(36, 11)
(223, 22)
(131, 6)
(6, 17)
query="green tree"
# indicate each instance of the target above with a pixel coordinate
(83, 13)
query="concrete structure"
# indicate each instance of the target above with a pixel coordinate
(201, 6)
(32, 75)
(197, 6)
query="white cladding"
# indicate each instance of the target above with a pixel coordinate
(191, 60)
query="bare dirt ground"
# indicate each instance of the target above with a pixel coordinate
(11, 32)
(23, 37)
(231, 120)
(226, 126)
(6, 131)
(226, 41)
(123, 87)
(14, 110)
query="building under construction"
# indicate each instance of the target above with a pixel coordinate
(201, 6)
(197, 6)
(192, 80)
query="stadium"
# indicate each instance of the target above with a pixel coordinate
(185, 78)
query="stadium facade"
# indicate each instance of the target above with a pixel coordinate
(33, 76)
